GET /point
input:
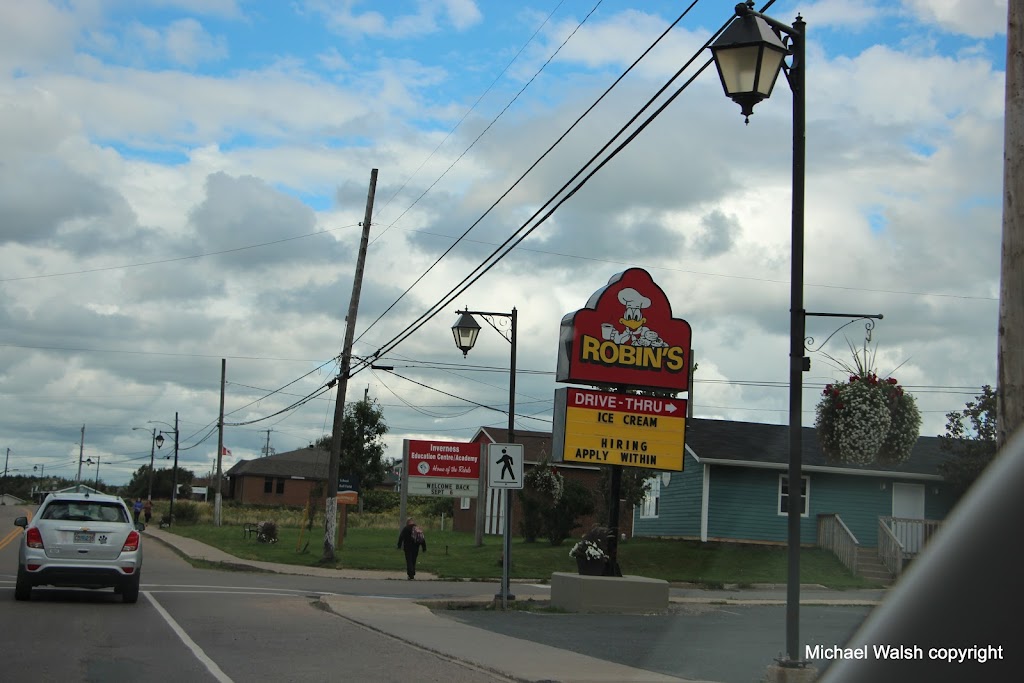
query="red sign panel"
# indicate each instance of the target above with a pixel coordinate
(449, 459)
(626, 336)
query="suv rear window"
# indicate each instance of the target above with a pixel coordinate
(84, 511)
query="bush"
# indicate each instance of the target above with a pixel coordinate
(560, 520)
(531, 525)
(185, 511)
(379, 501)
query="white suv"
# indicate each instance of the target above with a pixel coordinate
(82, 540)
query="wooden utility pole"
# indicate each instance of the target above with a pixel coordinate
(331, 502)
(220, 445)
(1010, 371)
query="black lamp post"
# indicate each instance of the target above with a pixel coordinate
(466, 329)
(749, 55)
(96, 484)
(159, 440)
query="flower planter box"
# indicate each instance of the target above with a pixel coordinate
(608, 594)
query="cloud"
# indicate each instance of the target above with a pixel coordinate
(343, 18)
(974, 18)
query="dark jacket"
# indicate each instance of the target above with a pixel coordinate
(406, 541)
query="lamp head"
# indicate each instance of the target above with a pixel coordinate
(748, 56)
(159, 440)
(465, 330)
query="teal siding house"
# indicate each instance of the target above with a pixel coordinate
(734, 487)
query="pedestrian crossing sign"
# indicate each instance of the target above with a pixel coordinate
(505, 466)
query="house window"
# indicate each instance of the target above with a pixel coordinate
(805, 490)
(464, 503)
(649, 508)
(280, 486)
(268, 485)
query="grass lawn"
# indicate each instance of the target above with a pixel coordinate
(453, 555)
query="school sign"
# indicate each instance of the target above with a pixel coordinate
(625, 338)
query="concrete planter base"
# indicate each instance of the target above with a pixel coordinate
(608, 594)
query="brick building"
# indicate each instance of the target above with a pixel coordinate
(281, 479)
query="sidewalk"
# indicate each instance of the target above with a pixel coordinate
(511, 658)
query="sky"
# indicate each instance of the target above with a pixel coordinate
(183, 181)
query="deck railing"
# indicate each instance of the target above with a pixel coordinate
(890, 549)
(912, 533)
(835, 536)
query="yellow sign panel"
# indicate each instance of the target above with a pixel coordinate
(621, 429)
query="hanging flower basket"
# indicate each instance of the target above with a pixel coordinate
(904, 427)
(867, 420)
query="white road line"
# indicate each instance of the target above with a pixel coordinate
(229, 592)
(210, 665)
(254, 589)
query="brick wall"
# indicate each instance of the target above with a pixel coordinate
(283, 491)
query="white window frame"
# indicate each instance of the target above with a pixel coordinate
(806, 496)
(649, 508)
(464, 503)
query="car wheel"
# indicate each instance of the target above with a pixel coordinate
(23, 587)
(130, 589)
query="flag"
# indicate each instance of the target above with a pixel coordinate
(225, 450)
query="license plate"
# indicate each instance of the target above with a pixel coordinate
(85, 536)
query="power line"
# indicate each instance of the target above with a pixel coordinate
(453, 293)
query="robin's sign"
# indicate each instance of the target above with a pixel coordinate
(626, 337)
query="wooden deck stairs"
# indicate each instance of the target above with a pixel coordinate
(870, 566)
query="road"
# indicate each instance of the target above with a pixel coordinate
(220, 625)
(202, 625)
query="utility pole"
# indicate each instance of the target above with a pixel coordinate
(1010, 370)
(331, 503)
(266, 449)
(220, 444)
(3, 487)
(81, 449)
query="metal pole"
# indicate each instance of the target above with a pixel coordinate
(796, 345)
(152, 454)
(220, 445)
(507, 554)
(81, 448)
(174, 473)
(97, 484)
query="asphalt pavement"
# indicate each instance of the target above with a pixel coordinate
(528, 647)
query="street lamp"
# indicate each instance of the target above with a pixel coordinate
(466, 329)
(159, 440)
(749, 55)
(152, 453)
(89, 461)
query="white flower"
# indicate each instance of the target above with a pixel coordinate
(587, 550)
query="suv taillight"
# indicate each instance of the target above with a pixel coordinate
(33, 538)
(131, 544)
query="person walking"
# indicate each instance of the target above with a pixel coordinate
(147, 510)
(137, 509)
(410, 539)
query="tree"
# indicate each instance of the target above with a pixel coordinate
(138, 487)
(970, 439)
(634, 487)
(362, 444)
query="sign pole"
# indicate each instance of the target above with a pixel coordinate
(506, 553)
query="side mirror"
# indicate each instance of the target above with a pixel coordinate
(21, 521)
